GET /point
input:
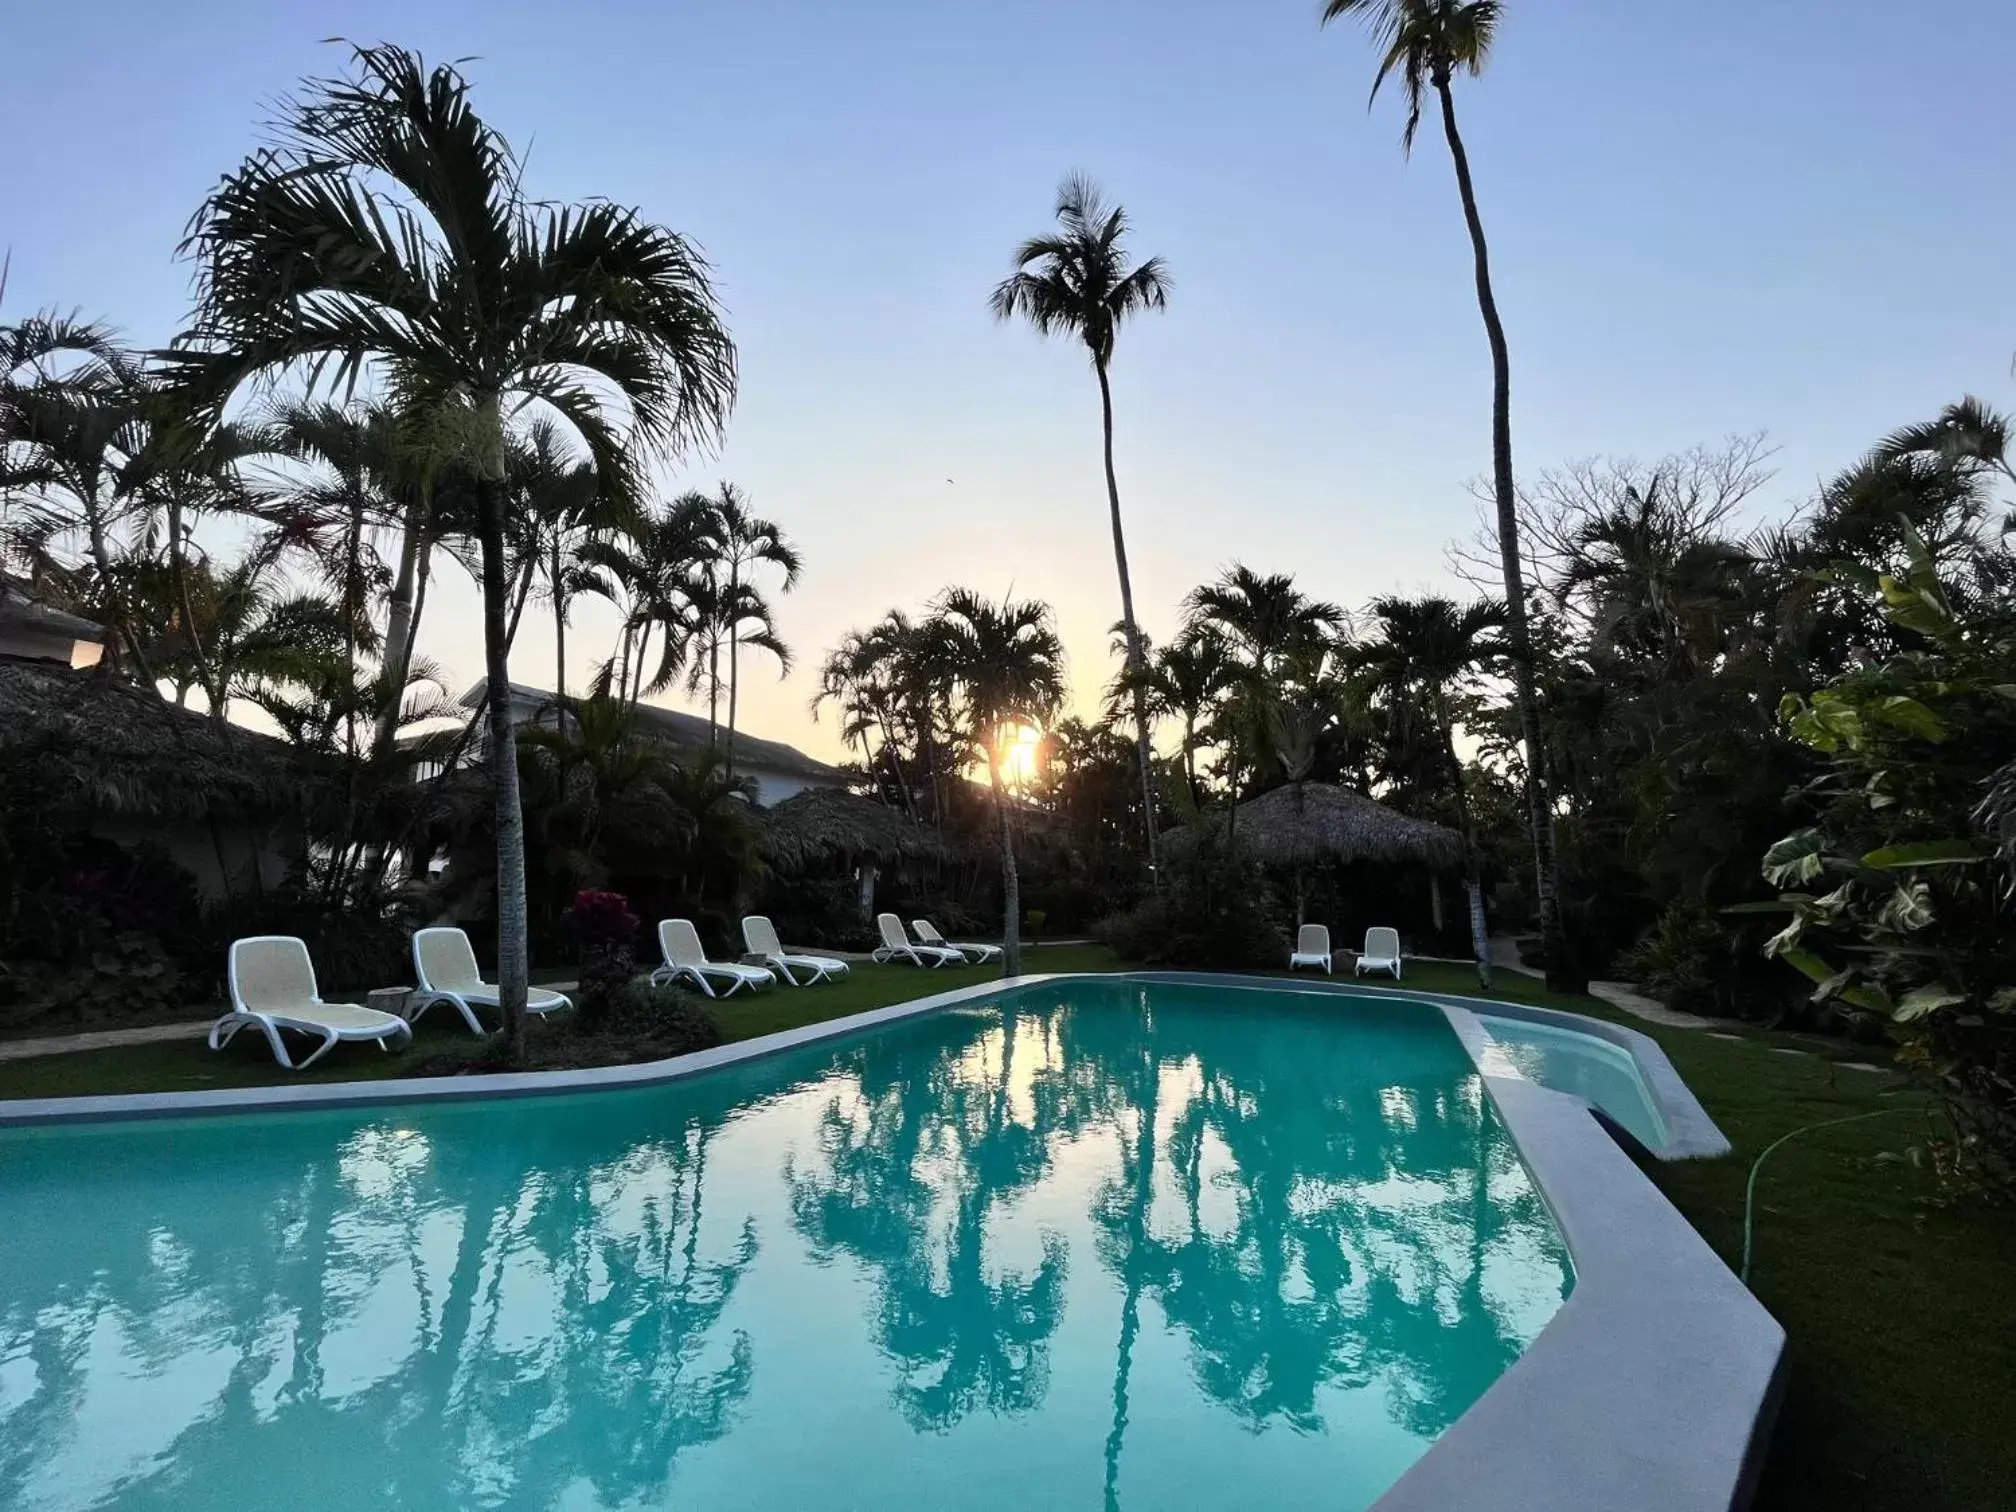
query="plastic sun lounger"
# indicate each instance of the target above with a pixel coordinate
(686, 960)
(272, 984)
(971, 951)
(1381, 953)
(897, 946)
(1312, 948)
(760, 935)
(444, 963)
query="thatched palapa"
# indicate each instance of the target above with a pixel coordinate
(123, 749)
(1306, 823)
(821, 824)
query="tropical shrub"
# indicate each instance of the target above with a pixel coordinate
(91, 932)
(1681, 960)
(1900, 911)
(1212, 913)
(665, 1019)
(606, 932)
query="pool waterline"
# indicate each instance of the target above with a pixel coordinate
(1018, 1251)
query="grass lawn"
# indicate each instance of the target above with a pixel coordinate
(1900, 1308)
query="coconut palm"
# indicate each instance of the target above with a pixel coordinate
(1426, 648)
(1426, 43)
(1007, 665)
(389, 225)
(1076, 282)
(737, 613)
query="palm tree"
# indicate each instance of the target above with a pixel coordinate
(654, 571)
(749, 543)
(476, 300)
(1263, 622)
(1008, 666)
(734, 611)
(1076, 282)
(1425, 648)
(1426, 42)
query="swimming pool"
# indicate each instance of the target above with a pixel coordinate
(1604, 1075)
(1090, 1243)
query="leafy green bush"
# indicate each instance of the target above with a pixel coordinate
(673, 1021)
(1900, 911)
(1682, 960)
(1211, 914)
(817, 911)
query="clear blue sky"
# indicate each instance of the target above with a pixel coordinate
(1705, 218)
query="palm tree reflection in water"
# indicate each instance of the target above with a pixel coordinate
(1300, 1227)
(1101, 1217)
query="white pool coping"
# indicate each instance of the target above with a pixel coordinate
(1651, 1390)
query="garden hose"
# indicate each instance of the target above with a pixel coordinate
(1750, 1188)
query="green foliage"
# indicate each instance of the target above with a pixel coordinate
(1682, 960)
(819, 911)
(673, 1020)
(1211, 914)
(1897, 913)
(606, 932)
(91, 932)
(359, 941)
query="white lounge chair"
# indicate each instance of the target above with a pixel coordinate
(976, 953)
(272, 985)
(1312, 948)
(897, 946)
(760, 935)
(1381, 953)
(444, 963)
(686, 960)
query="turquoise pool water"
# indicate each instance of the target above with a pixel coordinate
(1100, 1245)
(1600, 1073)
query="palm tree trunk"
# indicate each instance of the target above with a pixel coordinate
(521, 594)
(559, 648)
(1539, 814)
(399, 623)
(512, 963)
(1011, 881)
(734, 688)
(1136, 662)
(1473, 861)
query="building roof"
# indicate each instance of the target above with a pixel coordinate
(821, 823)
(124, 749)
(1317, 821)
(689, 731)
(19, 605)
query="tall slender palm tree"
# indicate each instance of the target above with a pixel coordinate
(1426, 647)
(388, 225)
(1426, 43)
(742, 615)
(1075, 281)
(1008, 666)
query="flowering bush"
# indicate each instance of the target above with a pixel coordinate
(606, 929)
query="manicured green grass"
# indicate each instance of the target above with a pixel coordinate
(1899, 1305)
(190, 1066)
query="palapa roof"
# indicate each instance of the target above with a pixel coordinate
(1306, 822)
(124, 749)
(689, 732)
(820, 823)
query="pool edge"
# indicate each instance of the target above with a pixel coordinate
(1652, 1389)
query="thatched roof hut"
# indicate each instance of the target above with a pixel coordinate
(822, 824)
(1311, 822)
(125, 750)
